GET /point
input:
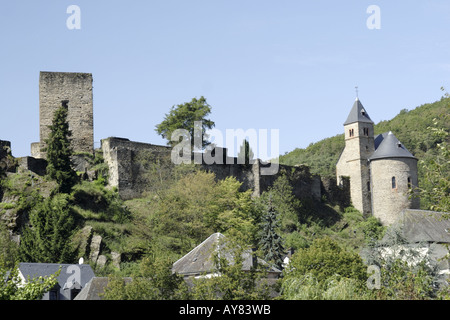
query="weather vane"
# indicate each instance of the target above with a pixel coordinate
(356, 89)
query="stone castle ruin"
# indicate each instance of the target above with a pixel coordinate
(373, 173)
(75, 91)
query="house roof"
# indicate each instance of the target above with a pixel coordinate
(388, 146)
(358, 114)
(425, 226)
(200, 259)
(94, 288)
(33, 270)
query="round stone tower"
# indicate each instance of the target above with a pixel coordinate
(393, 175)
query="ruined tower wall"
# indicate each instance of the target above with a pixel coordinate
(76, 88)
(126, 160)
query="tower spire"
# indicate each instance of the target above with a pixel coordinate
(356, 90)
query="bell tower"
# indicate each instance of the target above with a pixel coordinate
(354, 160)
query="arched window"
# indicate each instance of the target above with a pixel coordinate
(351, 132)
(409, 182)
(394, 184)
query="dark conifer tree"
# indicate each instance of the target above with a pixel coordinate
(48, 237)
(271, 243)
(59, 151)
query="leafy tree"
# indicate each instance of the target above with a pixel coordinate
(47, 239)
(324, 259)
(153, 281)
(435, 187)
(306, 287)
(197, 205)
(270, 242)
(183, 116)
(11, 287)
(245, 155)
(59, 152)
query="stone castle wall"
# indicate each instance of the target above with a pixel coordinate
(76, 89)
(127, 172)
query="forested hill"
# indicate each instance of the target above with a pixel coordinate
(411, 127)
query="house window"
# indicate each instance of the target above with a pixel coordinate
(394, 184)
(409, 182)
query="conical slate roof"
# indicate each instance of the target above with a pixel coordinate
(358, 114)
(388, 146)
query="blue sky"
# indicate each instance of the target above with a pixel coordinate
(286, 65)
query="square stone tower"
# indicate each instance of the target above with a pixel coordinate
(75, 89)
(354, 160)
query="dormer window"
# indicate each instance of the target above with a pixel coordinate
(363, 112)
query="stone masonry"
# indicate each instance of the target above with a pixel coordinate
(126, 171)
(74, 89)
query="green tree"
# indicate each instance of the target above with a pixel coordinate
(183, 116)
(306, 287)
(197, 205)
(325, 258)
(245, 155)
(59, 152)
(48, 238)
(271, 243)
(153, 281)
(434, 190)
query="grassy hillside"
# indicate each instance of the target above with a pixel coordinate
(410, 127)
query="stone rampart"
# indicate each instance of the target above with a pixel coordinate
(127, 171)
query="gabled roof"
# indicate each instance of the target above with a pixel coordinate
(34, 270)
(425, 226)
(95, 287)
(358, 114)
(200, 259)
(388, 146)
